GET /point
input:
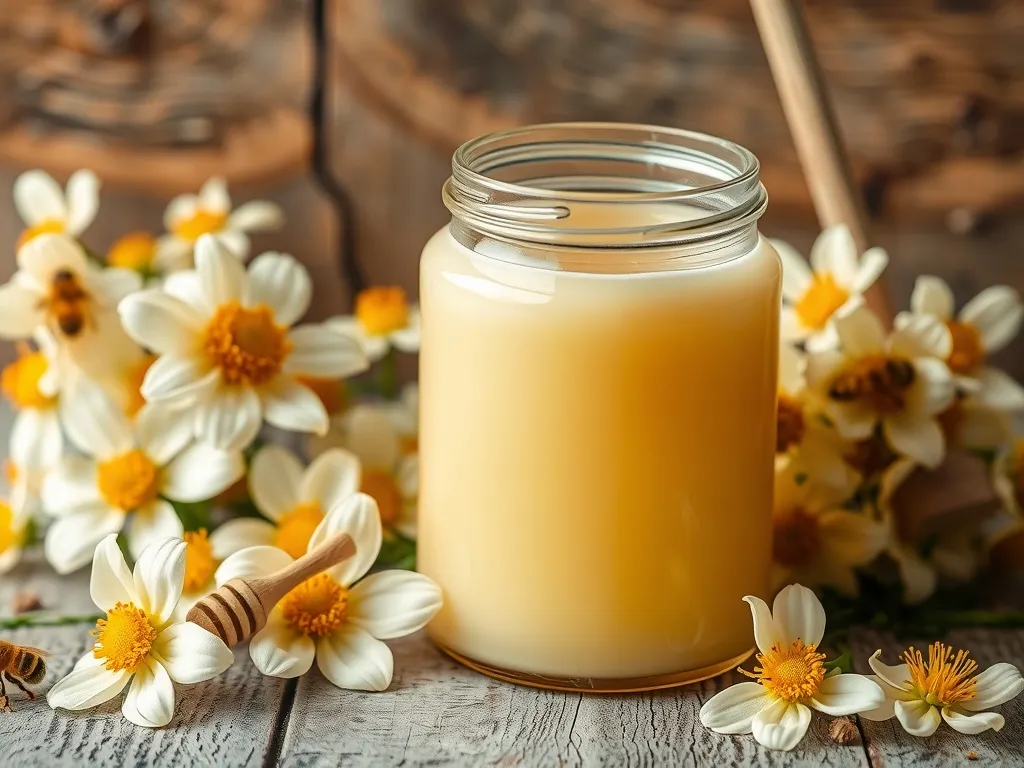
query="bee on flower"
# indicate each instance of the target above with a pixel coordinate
(47, 209)
(383, 318)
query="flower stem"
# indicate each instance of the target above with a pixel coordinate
(47, 621)
(387, 376)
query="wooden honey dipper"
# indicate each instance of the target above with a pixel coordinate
(239, 608)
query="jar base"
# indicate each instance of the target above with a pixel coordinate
(595, 684)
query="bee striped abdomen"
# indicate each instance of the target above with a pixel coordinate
(30, 667)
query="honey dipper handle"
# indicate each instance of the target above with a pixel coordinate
(333, 551)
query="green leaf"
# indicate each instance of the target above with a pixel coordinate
(397, 551)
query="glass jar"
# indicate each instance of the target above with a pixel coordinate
(598, 371)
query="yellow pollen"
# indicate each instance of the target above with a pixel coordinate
(128, 481)
(820, 301)
(968, 352)
(946, 678)
(198, 224)
(791, 674)
(796, 538)
(20, 381)
(295, 528)
(199, 562)
(47, 227)
(381, 485)
(246, 344)
(124, 638)
(134, 377)
(791, 425)
(878, 381)
(317, 607)
(382, 310)
(9, 537)
(133, 251)
(332, 392)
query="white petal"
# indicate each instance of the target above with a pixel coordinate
(851, 538)
(934, 389)
(159, 575)
(162, 432)
(165, 324)
(895, 678)
(229, 418)
(932, 296)
(214, 197)
(835, 252)
(289, 405)
(275, 480)
(972, 724)
(732, 710)
(321, 352)
(45, 255)
(152, 524)
(408, 339)
(372, 437)
(240, 533)
(87, 687)
(919, 439)
(279, 651)
(766, 632)
(179, 379)
(920, 336)
(359, 517)
(918, 577)
(796, 272)
(70, 486)
(94, 422)
(996, 685)
(71, 540)
(83, 200)
(847, 695)
(997, 313)
(253, 562)
(394, 603)
(235, 241)
(408, 476)
(38, 198)
(791, 328)
(22, 312)
(872, 265)
(256, 215)
(111, 581)
(190, 654)
(111, 284)
(860, 332)
(150, 699)
(798, 615)
(999, 391)
(37, 442)
(179, 209)
(186, 286)
(280, 282)
(200, 472)
(333, 476)
(918, 718)
(354, 660)
(222, 276)
(887, 709)
(781, 726)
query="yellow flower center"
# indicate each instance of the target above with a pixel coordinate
(381, 485)
(295, 528)
(133, 251)
(791, 674)
(124, 638)
(317, 607)
(945, 679)
(46, 227)
(332, 392)
(20, 381)
(246, 344)
(820, 301)
(128, 481)
(795, 537)
(880, 382)
(199, 562)
(199, 223)
(9, 537)
(791, 425)
(134, 377)
(382, 310)
(968, 352)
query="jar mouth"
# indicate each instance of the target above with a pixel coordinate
(527, 183)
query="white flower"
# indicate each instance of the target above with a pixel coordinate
(148, 255)
(835, 281)
(921, 694)
(139, 642)
(791, 677)
(986, 324)
(331, 617)
(46, 208)
(383, 318)
(13, 532)
(899, 383)
(294, 500)
(189, 217)
(814, 540)
(128, 469)
(226, 349)
(32, 385)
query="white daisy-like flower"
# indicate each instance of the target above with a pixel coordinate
(128, 469)
(150, 256)
(921, 694)
(1008, 476)
(985, 325)
(139, 641)
(32, 384)
(835, 280)
(898, 383)
(814, 540)
(791, 678)
(226, 348)
(13, 533)
(383, 318)
(189, 217)
(293, 499)
(338, 617)
(47, 209)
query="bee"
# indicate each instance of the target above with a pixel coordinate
(886, 381)
(67, 303)
(19, 663)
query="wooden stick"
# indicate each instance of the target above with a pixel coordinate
(812, 123)
(239, 609)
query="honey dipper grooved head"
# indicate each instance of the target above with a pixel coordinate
(233, 613)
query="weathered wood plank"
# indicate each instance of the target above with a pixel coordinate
(440, 713)
(889, 745)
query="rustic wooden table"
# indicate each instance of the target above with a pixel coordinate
(437, 713)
